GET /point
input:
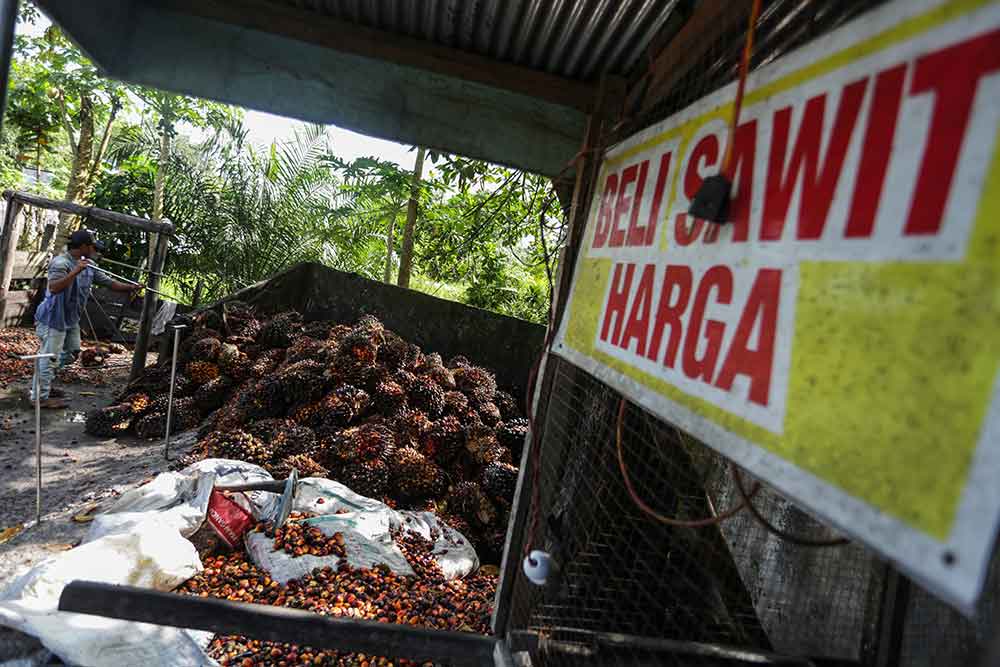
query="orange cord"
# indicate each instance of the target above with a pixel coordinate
(738, 103)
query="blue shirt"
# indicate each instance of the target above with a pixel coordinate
(62, 311)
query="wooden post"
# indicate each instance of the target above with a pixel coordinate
(8, 247)
(149, 302)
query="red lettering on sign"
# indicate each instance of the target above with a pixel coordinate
(875, 151)
(668, 313)
(638, 318)
(685, 234)
(622, 206)
(607, 206)
(637, 233)
(721, 279)
(953, 75)
(742, 168)
(762, 304)
(654, 212)
(819, 177)
(705, 154)
(617, 301)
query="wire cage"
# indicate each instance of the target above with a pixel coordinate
(651, 575)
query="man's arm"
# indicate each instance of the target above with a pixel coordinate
(60, 278)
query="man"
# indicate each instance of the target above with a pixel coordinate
(57, 319)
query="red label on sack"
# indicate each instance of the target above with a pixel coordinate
(228, 519)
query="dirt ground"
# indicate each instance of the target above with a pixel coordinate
(79, 471)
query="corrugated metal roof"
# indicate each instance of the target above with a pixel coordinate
(576, 39)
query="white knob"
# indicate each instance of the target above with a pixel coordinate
(536, 567)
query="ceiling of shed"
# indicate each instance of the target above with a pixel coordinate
(576, 39)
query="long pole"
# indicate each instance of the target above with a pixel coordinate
(170, 400)
(36, 386)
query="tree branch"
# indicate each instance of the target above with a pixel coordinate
(102, 147)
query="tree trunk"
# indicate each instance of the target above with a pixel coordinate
(158, 185)
(389, 247)
(406, 254)
(79, 170)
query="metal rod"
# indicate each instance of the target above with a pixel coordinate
(131, 266)
(130, 281)
(170, 401)
(277, 624)
(36, 385)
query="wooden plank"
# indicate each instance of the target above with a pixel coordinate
(280, 624)
(333, 33)
(149, 302)
(90, 212)
(8, 244)
(28, 264)
(710, 20)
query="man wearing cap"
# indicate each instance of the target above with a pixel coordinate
(57, 319)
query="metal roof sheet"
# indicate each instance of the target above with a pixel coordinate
(576, 39)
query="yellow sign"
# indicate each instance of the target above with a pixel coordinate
(840, 336)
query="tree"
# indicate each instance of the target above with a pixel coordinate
(169, 110)
(406, 254)
(57, 88)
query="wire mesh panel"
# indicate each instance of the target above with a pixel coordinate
(623, 570)
(657, 563)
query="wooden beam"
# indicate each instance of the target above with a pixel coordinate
(279, 624)
(333, 33)
(8, 249)
(710, 21)
(90, 212)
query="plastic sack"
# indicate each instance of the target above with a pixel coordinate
(140, 540)
(367, 526)
(147, 556)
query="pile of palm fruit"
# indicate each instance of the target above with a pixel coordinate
(354, 403)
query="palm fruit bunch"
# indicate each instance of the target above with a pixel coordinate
(304, 464)
(369, 478)
(302, 381)
(511, 435)
(443, 440)
(414, 478)
(302, 349)
(498, 481)
(206, 349)
(388, 396)
(317, 329)
(284, 437)
(238, 445)
(280, 330)
(409, 428)
(200, 372)
(489, 413)
(265, 400)
(234, 363)
(213, 394)
(395, 353)
(266, 363)
(109, 422)
(427, 396)
(342, 406)
(477, 383)
(508, 405)
(456, 404)
(469, 501)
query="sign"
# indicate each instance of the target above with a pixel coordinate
(840, 337)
